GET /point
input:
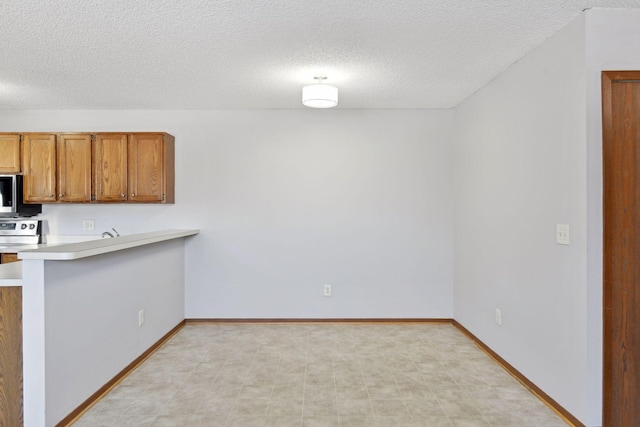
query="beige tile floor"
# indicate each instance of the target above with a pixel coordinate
(304, 375)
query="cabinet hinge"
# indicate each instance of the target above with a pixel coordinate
(93, 138)
(163, 199)
(20, 138)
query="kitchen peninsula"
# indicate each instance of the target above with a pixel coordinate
(89, 310)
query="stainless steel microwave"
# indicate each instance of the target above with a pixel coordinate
(11, 203)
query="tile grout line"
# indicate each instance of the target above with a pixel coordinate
(366, 387)
(395, 379)
(462, 386)
(304, 378)
(335, 386)
(236, 398)
(431, 389)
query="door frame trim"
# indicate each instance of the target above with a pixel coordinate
(608, 78)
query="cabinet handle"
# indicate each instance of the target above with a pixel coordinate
(50, 195)
(61, 195)
(122, 195)
(133, 195)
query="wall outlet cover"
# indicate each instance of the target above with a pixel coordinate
(327, 290)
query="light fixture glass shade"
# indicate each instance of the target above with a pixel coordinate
(320, 96)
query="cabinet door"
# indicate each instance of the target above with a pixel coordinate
(110, 167)
(9, 153)
(39, 157)
(74, 167)
(11, 356)
(146, 168)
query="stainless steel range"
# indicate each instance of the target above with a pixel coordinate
(20, 232)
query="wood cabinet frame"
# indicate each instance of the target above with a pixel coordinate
(134, 167)
(73, 154)
(39, 167)
(110, 167)
(90, 167)
(10, 158)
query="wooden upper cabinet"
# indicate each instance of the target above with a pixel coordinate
(151, 173)
(110, 167)
(10, 153)
(83, 168)
(39, 166)
(74, 167)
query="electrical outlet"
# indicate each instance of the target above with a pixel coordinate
(562, 234)
(88, 225)
(141, 317)
(498, 317)
(327, 290)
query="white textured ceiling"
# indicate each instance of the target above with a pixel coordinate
(257, 54)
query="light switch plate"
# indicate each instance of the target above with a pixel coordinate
(562, 234)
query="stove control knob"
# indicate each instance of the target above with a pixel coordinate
(32, 226)
(23, 226)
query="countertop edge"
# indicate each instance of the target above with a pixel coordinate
(71, 251)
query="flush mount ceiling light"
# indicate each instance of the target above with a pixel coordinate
(320, 95)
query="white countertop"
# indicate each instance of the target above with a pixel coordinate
(50, 241)
(18, 248)
(79, 250)
(11, 274)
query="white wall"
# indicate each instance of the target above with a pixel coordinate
(81, 321)
(613, 43)
(91, 317)
(520, 169)
(288, 201)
